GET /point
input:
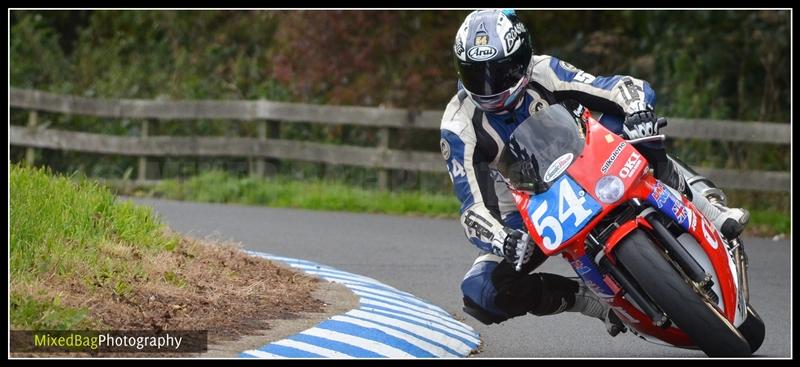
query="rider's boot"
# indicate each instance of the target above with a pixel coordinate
(589, 304)
(729, 221)
(707, 198)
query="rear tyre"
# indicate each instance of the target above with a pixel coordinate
(691, 312)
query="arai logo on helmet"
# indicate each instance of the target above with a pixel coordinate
(557, 167)
(481, 53)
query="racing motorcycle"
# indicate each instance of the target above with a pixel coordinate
(641, 246)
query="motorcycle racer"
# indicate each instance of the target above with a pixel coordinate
(501, 83)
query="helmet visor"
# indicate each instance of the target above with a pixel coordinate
(500, 101)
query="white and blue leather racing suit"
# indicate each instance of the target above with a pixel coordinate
(471, 143)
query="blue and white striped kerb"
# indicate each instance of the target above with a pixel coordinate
(388, 323)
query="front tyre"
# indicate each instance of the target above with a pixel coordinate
(753, 329)
(700, 320)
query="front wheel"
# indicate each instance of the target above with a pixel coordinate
(691, 312)
(753, 329)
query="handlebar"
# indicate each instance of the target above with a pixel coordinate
(660, 123)
(647, 138)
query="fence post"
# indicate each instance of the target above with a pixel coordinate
(383, 144)
(273, 131)
(262, 137)
(142, 173)
(30, 153)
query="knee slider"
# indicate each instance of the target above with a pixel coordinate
(479, 294)
(487, 318)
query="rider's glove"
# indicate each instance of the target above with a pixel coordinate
(505, 245)
(640, 123)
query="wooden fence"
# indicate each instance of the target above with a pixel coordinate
(265, 145)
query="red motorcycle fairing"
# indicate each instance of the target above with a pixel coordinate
(605, 153)
(614, 156)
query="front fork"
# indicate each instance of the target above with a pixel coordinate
(740, 258)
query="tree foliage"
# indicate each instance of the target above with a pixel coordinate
(724, 64)
(709, 63)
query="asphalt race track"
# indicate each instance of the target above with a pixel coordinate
(428, 258)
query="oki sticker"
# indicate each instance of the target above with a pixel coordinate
(633, 162)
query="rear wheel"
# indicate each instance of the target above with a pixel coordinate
(690, 311)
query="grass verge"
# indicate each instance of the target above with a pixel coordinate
(220, 187)
(81, 259)
(769, 223)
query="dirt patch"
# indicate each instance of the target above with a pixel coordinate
(197, 286)
(337, 299)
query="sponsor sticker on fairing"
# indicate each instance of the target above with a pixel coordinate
(557, 167)
(708, 233)
(580, 268)
(613, 157)
(633, 162)
(679, 210)
(660, 194)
